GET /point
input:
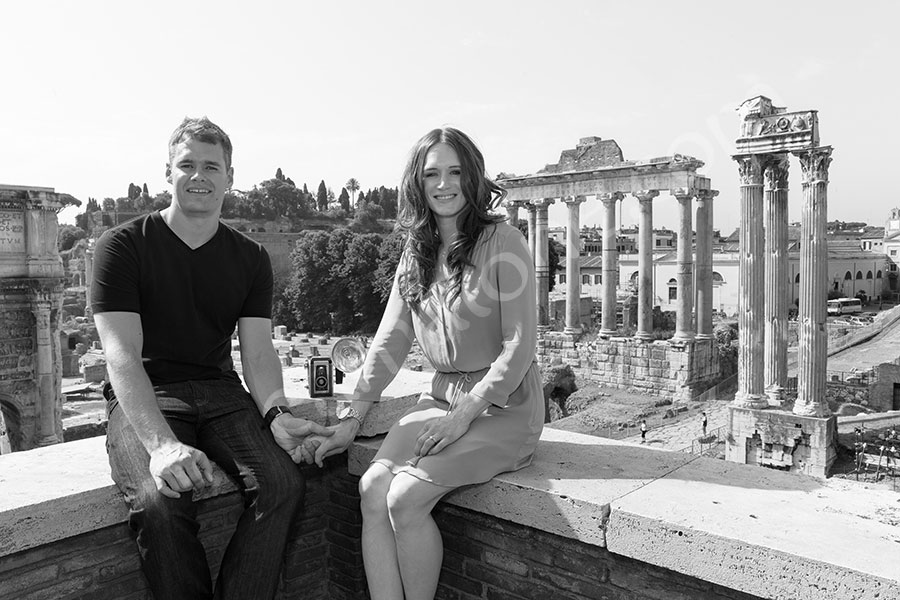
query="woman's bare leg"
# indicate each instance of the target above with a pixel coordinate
(419, 547)
(378, 546)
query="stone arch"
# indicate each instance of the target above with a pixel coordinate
(859, 275)
(869, 275)
(848, 276)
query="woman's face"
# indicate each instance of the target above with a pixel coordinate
(442, 182)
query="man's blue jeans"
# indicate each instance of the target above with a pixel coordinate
(221, 419)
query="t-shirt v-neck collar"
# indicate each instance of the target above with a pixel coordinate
(162, 222)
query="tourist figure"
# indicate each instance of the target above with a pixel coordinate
(168, 290)
(465, 289)
(703, 422)
(643, 431)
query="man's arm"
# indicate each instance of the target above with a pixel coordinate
(176, 467)
(262, 374)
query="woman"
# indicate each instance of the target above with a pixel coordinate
(465, 289)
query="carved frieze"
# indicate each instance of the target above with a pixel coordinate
(814, 164)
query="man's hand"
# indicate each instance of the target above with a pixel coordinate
(178, 468)
(341, 434)
(291, 432)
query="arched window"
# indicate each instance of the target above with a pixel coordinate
(848, 275)
(869, 275)
(673, 290)
(797, 278)
(634, 277)
(717, 278)
(598, 279)
(586, 279)
(859, 274)
(878, 274)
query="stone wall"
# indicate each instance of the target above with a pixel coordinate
(677, 371)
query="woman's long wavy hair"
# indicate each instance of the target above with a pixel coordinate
(423, 238)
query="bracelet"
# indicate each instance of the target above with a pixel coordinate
(273, 413)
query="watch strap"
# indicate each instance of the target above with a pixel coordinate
(273, 413)
(350, 413)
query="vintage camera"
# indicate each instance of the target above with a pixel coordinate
(320, 376)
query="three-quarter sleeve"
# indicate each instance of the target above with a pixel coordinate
(389, 348)
(513, 275)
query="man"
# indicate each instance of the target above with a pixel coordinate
(168, 290)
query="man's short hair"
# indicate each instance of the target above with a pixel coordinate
(202, 130)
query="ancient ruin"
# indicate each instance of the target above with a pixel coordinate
(763, 430)
(597, 168)
(31, 289)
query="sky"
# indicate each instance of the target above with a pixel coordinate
(91, 90)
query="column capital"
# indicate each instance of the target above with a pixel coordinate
(750, 168)
(610, 197)
(543, 202)
(776, 172)
(814, 164)
(529, 205)
(513, 203)
(573, 200)
(645, 195)
(703, 195)
(683, 193)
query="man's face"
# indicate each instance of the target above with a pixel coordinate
(199, 178)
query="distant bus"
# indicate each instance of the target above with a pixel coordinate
(844, 306)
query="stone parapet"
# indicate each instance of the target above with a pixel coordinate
(601, 518)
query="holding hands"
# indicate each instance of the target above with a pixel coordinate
(293, 435)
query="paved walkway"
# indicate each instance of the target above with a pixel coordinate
(682, 433)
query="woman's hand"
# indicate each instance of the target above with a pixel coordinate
(340, 438)
(443, 431)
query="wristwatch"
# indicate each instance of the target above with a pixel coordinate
(273, 413)
(350, 413)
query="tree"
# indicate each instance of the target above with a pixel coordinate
(68, 235)
(164, 199)
(109, 205)
(366, 218)
(310, 281)
(352, 186)
(279, 175)
(388, 259)
(344, 200)
(322, 197)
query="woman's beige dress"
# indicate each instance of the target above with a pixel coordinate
(483, 344)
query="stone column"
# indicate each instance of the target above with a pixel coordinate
(88, 277)
(512, 212)
(777, 281)
(573, 265)
(48, 390)
(684, 305)
(531, 208)
(704, 262)
(813, 343)
(750, 392)
(645, 264)
(541, 261)
(610, 264)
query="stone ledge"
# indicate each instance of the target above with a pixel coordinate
(755, 530)
(762, 532)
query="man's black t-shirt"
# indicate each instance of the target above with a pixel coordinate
(189, 300)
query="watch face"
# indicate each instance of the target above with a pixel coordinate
(345, 412)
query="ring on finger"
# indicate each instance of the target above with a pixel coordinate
(433, 440)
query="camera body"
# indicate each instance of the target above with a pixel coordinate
(320, 376)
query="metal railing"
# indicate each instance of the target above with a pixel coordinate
(707, 445)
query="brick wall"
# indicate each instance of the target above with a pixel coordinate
(491, 559)
(104, 565)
